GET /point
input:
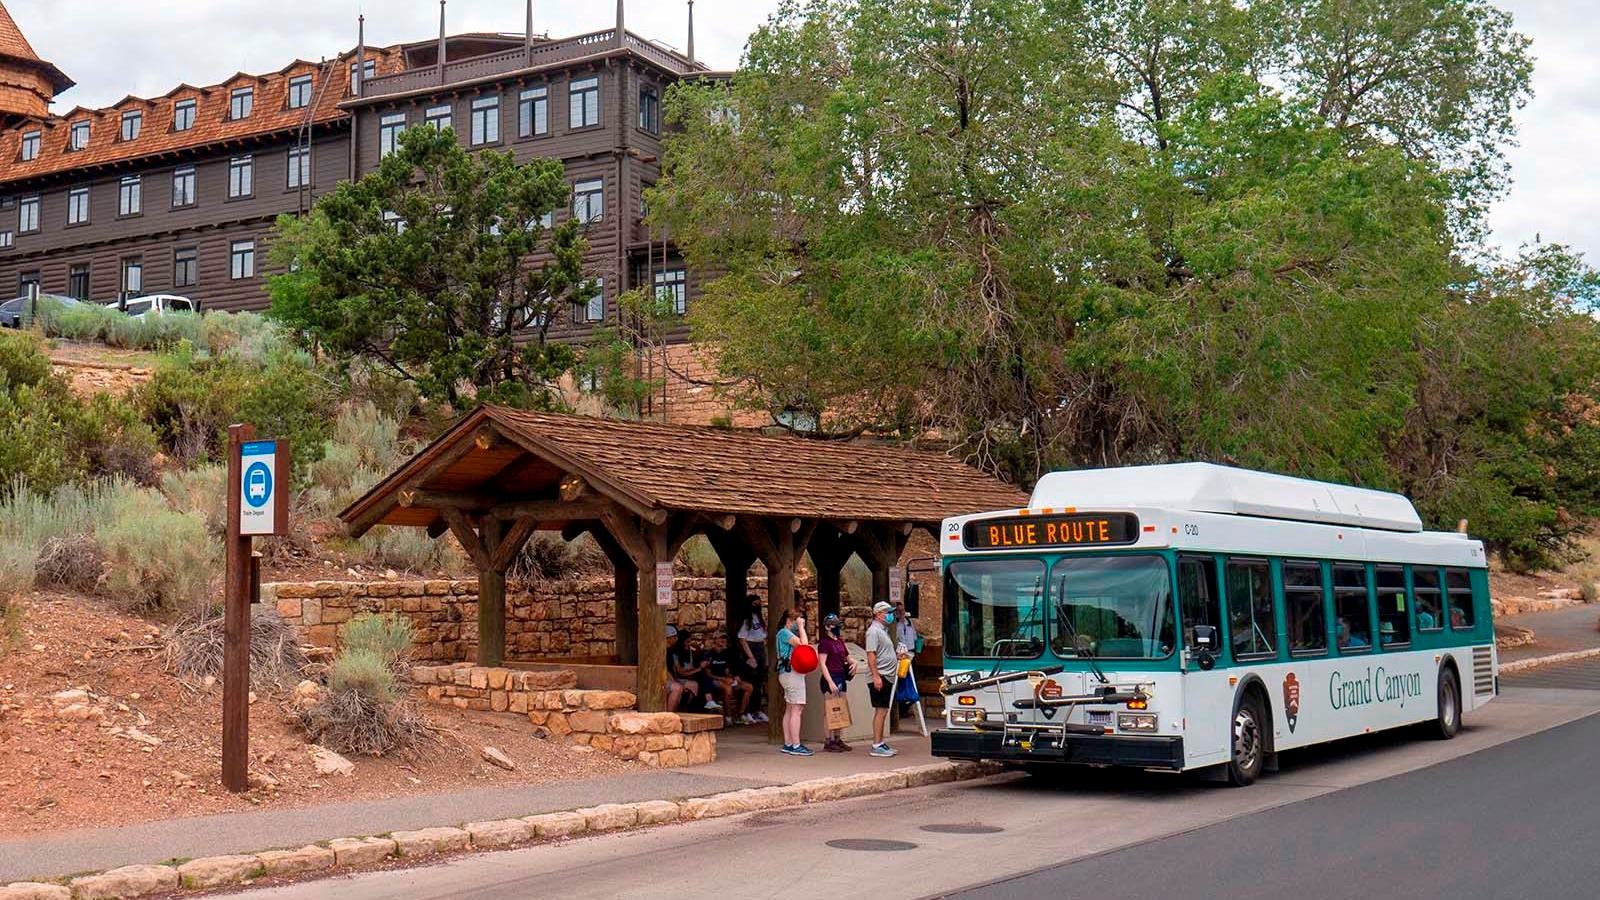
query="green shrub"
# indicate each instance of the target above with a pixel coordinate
(17, 561)
(409, 550)
(22, 359)
(388, 635)
(200, 492)
(364, 672)
(699, 558)
(157, 559)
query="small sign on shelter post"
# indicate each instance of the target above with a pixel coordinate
(897, 581)
(664, 581)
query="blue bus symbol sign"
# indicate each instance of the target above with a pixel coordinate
(258, 509)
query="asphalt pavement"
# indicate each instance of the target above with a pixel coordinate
(1516, 820)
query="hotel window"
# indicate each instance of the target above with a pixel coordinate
(649, 110)
(593, 309)
(394, 222)
(300, 92)
(77, 206)
(130, 196)
(389, 128)
(6, 240)
(241, 177)
(132, 122)
(672, 286)
(183, 187)
(183, 115)
(30, 146)
(299, 167)
(369, 68)
(78, 137)
(583, 103)
(486, 121)
(440, 117)
(78, 282)
(588, 201)
(186, 267)
(533, 112)
(28, 215)
(242, 263)
(133, 276)
(241, 103)
(27, 279)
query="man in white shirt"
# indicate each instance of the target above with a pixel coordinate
(882, 662)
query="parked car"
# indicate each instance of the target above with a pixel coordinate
(158, 304)
(13, 313)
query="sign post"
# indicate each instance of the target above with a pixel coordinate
(256, 505)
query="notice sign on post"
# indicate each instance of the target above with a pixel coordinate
(262, 502)
(664, 581)
(897, 581)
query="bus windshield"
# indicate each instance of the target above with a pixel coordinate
(1112, 606)
(994, 608)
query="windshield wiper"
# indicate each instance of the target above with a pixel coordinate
(1083, 650)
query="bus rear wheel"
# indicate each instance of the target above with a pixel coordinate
(1249, 750)
(1448, 723)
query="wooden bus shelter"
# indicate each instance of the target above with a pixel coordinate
(641, 489)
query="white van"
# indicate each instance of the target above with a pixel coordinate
(158, 304)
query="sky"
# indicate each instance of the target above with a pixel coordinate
(113, 48)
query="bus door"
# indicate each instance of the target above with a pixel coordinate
(1207, 696)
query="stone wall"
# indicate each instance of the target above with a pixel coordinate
(573, 619)
(604, 720)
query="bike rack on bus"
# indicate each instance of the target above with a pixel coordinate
(1044, 735)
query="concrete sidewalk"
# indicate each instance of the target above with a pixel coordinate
(1555, 631)
(744, 760)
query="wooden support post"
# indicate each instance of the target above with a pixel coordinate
(491, 598)
(778, 544)
(830, 549)
(880, 546)
(625, 580)
(236, 629)
(736, 557)
(652, 546)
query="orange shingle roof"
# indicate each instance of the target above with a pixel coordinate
(710, 470)
(15, 46)
(270, 114)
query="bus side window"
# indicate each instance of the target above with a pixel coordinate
(1394, 626)
(1197, 596)
(1458, 585)
(1425, 586)
(1305, 608)
(1353, 618)
(1250, 608)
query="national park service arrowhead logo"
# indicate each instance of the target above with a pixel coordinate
(1291, 700)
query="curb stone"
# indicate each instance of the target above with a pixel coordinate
(217, 871)
(1518, 665)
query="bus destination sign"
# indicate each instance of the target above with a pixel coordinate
(1026, 532)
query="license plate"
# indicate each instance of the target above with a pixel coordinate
(961, 679)
(1099, 717)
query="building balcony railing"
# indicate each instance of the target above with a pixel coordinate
(540, 54)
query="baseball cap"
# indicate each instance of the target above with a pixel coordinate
(832, 619)
(672, 631)
(881, 607)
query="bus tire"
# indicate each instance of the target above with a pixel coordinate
(1448, 722)
(1247, 732)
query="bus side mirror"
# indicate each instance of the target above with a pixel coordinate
(1205, 646)
(912, 598)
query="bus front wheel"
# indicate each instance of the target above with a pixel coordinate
(1249, 749)
(1448, 723)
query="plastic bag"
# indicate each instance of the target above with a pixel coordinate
(906, 691)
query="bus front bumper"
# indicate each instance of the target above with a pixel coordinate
(1078, 749)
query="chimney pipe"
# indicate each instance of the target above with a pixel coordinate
(691, 31)
(441, 41)
(619, 24)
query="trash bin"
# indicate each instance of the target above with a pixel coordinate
(811, 723)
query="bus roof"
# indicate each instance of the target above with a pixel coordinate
(1206, 487)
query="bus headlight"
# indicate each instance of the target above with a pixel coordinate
(966, 716)
(1137, 722)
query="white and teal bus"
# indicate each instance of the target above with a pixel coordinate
(1191, 616)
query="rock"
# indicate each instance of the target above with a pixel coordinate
(33, 890)
(65, 698)
(360, 851)
(557, 825)
(609, 816)
(715, 806)
(824, 789)
(213, 871)
(609, 699)
(673, 758)
(936, 773)
(330, 763)
(208, 682)
(500, 833)
(263, 781)
(134, 734)
(589, 721)
(646, 723)
(702, 749)
(427, 841)
(128, 881)
(494, 756)
(656, 812)
(310, 858)
(79, 712)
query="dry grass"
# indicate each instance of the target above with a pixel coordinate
(11, 634)
(353, 721)
(194, 649)
(73, 562)
(547, 557)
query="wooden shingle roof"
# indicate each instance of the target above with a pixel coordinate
(655, 466)
(14, 46)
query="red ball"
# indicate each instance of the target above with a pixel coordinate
(803, 660)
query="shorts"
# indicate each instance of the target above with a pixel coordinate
(843, 683)
(794, 688)
(881, 697)
(683, 683)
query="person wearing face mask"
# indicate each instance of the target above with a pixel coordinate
(835, 664)
(882, 662)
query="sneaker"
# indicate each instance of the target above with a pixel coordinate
(835, 746)
(746, 719)
(846, 747)
(882, 750)
(803, 750)
(712, 706)
(760, 717)
(789, 749)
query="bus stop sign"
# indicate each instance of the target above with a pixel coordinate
(263, 507)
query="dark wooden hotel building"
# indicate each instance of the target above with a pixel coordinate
(178, 193)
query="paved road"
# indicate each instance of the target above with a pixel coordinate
(1554, 631)
(1012, 825)
(1517, 820)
